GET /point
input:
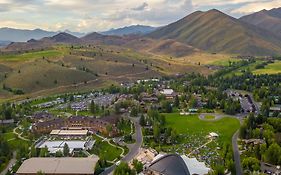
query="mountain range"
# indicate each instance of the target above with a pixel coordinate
(211, 31)
(130, 30)
(20, 35)
(266, 19)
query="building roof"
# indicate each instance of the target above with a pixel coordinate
(169, 164)
(167, 91)
(194, 166)
(59, 165)
(72, 132)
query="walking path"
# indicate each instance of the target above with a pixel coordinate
(19, 134)
(10, 164)
(199, 147)
(108, 141)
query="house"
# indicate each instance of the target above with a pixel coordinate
(58, 166)
(7, 122)
(168, 93)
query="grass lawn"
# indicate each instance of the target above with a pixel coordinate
(14, 141)
(225, 127)
(209, 117)
(105, 151)
(273, 68)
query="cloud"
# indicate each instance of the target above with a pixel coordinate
(98, 15)
(257, 6)
(142, 7)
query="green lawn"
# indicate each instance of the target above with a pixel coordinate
(209, 117)
(14, 141)
(31, 55)
(192, 125)
(105, 151)
(273, 68)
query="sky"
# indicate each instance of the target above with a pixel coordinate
(100, 15)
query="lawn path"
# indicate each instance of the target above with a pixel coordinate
(19, 135)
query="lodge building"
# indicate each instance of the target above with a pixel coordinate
(75, 122)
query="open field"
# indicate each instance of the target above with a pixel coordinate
(274, 68)
(193, 137)
(209, 59)
(192, 125)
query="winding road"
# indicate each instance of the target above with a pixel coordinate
(134, 150)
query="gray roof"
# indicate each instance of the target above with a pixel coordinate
(170, 164)
(65, 165)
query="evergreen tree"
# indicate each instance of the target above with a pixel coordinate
(66, 150)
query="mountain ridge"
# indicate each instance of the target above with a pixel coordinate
(214, 31)
(130, 30)
(267, 19)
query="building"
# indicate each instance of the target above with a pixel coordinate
(78, 122)
(74, 145)
(171, 164)
(168, 165)
(58, 166)
(7, 122)
(72, 133)
(41, 116)
(168, 93)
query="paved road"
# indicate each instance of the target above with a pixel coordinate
(11, 163)
(133, 150)
(236, 154)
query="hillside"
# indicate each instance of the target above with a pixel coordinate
(61, 68)
(130, 30)
(215, 31)
(266, 19)
(165, 47)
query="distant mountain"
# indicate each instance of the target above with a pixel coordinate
(130, 30)
(20, 35)
(65, 38)
(4, 43)
(214, 31)
(60, 38)
(266, 19)
(77, 34)
(96, 38)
